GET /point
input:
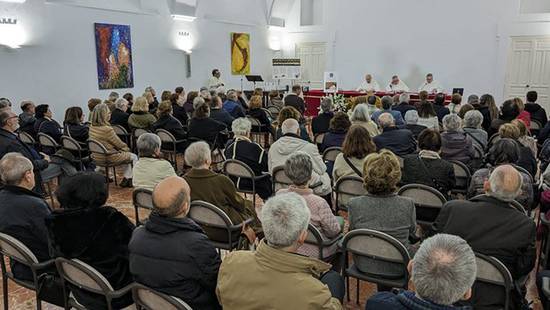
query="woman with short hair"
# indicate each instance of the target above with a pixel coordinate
(357, 145)
(178, 110)
(45, 123)
(73, 125)
(255, 110)
(473, 120)
(526, 159)
(169, 123)
(140, 117)
(151, 168)
(456, 145)
(360, 116)
(203, 127)
(337, 131)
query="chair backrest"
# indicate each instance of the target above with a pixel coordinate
(401, 161)
(165, 136)
(318, 139)
(494, 138)
(47, 140)
(83, 276)
(97, 147)
(16, 250)
(119, 130)
(478, 151)
(423, 195)
(143, 198)
(280, 179)
(274, 110)
(462, 174)
(238, 169)
(268, 112)
(148, 299)
(139, 131)
(26, 138)
(207, 214)
(490, 270)
(330, 153)
(535, 125)
(70, 144)
(348, 187)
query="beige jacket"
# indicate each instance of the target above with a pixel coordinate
(342, 169)
(107, 136)
(272, 279)
(148, 172)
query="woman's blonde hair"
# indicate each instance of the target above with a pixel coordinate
(523, 131)
(520, 104)
(165, 108)
(149, 97)
(288, 112)
(382, 173)
(100, 115)
(255, 102)
(509, 130)
(140, 105)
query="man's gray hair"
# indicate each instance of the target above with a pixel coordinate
(411, 117)
(113, 96)
(386, 120)
(444, 269)
(149, 89)
(198, 101)
(505, 183)
(284, 217)
(13, 167)
(473, 99)
(5, 103)
(197, 154)
(4, 116)
(232, 95)
(326, 104)
(473, 119)
(241, 126)
(298, 168)
(405, 98)
(148, 144)
(452, 122)
(121, 103)
(360, 113)
(290, 126)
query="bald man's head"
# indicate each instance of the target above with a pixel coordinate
(504, 183)
(171, 197)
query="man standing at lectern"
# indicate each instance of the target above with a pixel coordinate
(293, 99)
(431, 86)
(396, 85)
(368, 85)
(215, 82)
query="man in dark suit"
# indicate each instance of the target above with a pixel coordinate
(494, 227)
(119, 116)
(404, 105)
(400, 141)
(294, 100)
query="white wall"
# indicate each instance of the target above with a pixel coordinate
(57, 65)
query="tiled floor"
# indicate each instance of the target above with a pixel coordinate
(20, 298)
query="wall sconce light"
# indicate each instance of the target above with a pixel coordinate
(183, 18)
(11, 33)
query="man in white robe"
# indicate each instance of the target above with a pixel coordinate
(430, 85)
(396, 85)
(215, 82)
(368, 85)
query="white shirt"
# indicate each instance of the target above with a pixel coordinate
(400, 87)
(433, 87)
(367, 87)
(214, 82)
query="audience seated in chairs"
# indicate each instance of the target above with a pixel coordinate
(92, 103)
(400, 141)
(404, 104)
(150, 169)
(233, 106)
(526, 158)
(387, 103)
(427, 167)
(289, 112)
(455, 144)
(74, 125)
(171, 254)
(503, 152)
(321, 123)
(273, 276)
(336, 134)
(411, 119)
(203, 127)
(442, 274)
(102, 132)
(427, 115)
(188, 105)
(290, 143)
(357, 145)
(465, 108)
(243, 149)
(275, 99)
(439, 106)
(382, 209)
(169, 123)
(509, 111)
(45, 124)
(27, 119)
(178, 110)
(87, 230)
(120, 115)
(360, 116)
(141, 117)
(489, 110)
(492, 226)
(525, 138)
(298, 168)
(217, 113)
(260, 114)
(456, 104)
(294, 100)
(217, 189)
(44, 167)
(129, 98)
(472, 127)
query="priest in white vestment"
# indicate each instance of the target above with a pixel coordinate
(215, 80)
(430, 85)
(396, 85)
(368, 85)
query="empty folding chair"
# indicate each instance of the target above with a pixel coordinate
(148, 299)
(491, 271)
(346, 188)
(428, 202)
(142, 199)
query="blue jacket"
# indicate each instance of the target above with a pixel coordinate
(400, 141)
(405, 300)
(234, 108)
(396, 116)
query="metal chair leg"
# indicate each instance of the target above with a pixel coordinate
(114, 175)
(5, 290)
(347, 288)
(357, 292)
(38, 301)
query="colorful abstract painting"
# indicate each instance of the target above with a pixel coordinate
(240, 53)
(114, 56)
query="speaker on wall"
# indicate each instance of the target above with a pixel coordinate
(188, 65)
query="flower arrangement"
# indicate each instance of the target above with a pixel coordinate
(339, 102)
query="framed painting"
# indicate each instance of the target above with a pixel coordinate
(114, 56)
(240, 53)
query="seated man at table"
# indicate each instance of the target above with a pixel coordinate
(430, 85)
(396, 85)
(368, 85)
(400, 141)
(294, 100)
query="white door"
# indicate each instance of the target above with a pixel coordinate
(312, 61)
(529, 69)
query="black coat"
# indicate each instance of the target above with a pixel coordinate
(99, 237)
(175, 257)
(78, 132)
(486, 124)
(180, 114)
(172, 125)
(439, 169)
(403, 107)
(48, 127)
(222, 116)
(526, 160)
(537, 112)
(400, 141)
(332, 139)
(492, 227)
(261, 116)
(206, 129)
(415, 129)
(22, 215)
(321, 123)
(119, 117)
(441, 111)
(295, 101)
